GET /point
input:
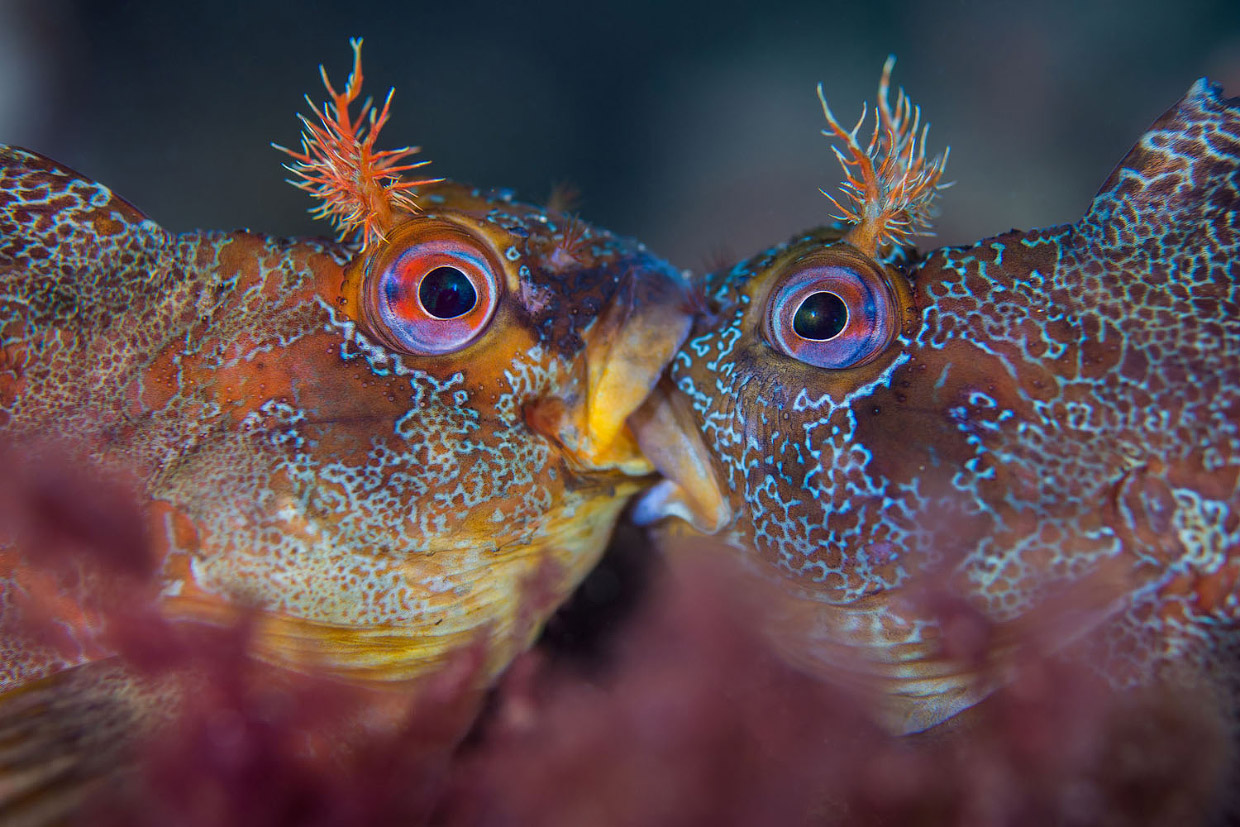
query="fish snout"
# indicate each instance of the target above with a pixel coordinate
(667, 431)
(625, 352)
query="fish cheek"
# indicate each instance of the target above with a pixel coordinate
(910, 434)
(943, 426)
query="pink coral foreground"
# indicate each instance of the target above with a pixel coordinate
(683, 715)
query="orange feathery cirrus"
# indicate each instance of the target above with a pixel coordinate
(889, 183)
(360, 188)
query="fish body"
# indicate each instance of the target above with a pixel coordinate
(390, 451)
(1052, 412)
(381, 462)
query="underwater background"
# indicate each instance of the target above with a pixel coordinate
(694, 127)
(691, 125)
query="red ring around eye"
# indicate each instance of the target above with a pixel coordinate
(433, 293)
(831, 315)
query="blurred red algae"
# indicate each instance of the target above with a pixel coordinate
(698, 722)
(81, 545)
(687, 716)
(258, 747)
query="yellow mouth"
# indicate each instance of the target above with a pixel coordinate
(621, 414)
(626, 351)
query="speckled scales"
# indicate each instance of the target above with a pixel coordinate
(1059, 412)
(383, 509)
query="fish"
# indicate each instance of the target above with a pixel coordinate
(380, 451)
(1036, 435)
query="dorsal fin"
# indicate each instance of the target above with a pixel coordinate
(57, 224)
(1178, 189)
(77, 263)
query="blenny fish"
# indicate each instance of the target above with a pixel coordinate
(390, 448)
(1042, 414)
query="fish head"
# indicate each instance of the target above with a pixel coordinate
(436, 446)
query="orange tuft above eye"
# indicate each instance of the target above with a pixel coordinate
(831, 313)
(433, 293)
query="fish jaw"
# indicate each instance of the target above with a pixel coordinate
(626, 352)
(493, 602)
(691, 489)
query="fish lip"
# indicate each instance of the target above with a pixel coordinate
(626, 350)
(692, 489)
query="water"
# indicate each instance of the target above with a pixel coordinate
(690, 125)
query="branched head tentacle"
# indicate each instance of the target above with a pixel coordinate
(358, 187)
(889, 183)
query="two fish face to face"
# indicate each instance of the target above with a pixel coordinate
(435, 436)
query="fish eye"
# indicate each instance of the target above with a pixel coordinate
(434, 294)
(820, 317)
(446, 293)
(831, 315)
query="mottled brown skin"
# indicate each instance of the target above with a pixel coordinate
(372, 512)
(1058, 417)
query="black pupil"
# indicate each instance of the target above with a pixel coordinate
(821, 316)
(447, 293)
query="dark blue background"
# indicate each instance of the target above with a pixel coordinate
(691, 125)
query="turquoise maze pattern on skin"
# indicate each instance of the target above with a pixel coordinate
(1056, 415)
(384, 509)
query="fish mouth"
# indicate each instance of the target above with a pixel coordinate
(666, 431)
(626, 350)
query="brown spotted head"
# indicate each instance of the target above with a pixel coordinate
(395, 447)
(1040, 411)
